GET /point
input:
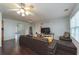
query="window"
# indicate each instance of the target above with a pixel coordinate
(74, 26)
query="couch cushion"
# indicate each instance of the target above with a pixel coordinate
(66, 43)
(65, 38)
(66, 46)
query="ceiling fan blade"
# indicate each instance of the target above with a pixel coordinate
(18, 5)
(13, 9)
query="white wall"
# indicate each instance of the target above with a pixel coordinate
(0, 28)
(57, 26)
(10, 28)
(74, 40)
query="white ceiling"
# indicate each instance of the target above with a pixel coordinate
(42, 11)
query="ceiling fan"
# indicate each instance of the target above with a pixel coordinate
(24, 9)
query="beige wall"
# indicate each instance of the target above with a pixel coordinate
(57, 26)
(10, 28)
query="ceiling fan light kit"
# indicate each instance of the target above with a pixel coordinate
(18, 12)
(23, 11)
(23, 14)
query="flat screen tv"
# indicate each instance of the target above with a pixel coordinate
(45, 30)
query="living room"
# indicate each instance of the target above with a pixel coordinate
(57, 19)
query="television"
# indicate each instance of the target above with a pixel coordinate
(45, 30)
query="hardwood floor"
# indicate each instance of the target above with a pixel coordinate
(11, 47)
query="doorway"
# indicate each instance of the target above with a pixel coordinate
(30, 30)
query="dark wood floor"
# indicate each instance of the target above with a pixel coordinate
(11, 47)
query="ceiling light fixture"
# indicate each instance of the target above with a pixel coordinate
(25, 10)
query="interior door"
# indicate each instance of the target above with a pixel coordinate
(30, 30)
(19, 30)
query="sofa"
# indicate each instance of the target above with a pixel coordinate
(65, 45)
(38, 46)
(65, 48)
